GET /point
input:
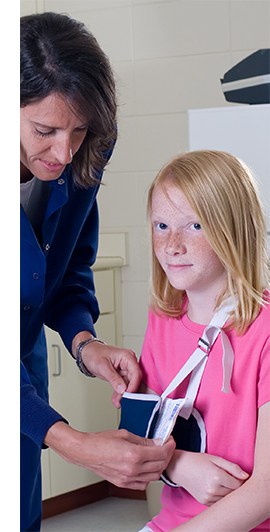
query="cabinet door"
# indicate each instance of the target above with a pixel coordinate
(104, 285)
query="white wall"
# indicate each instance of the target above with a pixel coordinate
(168, 56)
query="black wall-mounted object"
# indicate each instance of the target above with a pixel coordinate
(248, 82)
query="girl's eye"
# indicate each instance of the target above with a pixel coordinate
(161, 226)
(196, 226)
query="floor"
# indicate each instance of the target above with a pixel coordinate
(110, 515)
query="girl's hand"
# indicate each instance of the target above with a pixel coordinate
(206, 477)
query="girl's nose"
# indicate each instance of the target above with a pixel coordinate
(175, 245)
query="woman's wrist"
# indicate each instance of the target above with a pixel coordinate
(81, 347)
(80, 337)
(64, 440)
(57, 434)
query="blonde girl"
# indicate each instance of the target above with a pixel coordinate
(208, 244)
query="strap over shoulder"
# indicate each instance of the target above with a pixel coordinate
(197, 361)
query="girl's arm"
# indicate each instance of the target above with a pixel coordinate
(248, 506)
(206, 477)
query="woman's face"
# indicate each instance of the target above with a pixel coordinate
(180, 245)
(51, 133)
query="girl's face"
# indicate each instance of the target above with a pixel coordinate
(50, 136)
(180, 246)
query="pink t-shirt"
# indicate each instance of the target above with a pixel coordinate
(230, 419)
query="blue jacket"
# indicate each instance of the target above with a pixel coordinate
(56, 289)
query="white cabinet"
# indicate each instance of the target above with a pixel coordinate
(83, 401)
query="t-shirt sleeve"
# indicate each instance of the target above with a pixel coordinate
(148, 362)
(264, 375)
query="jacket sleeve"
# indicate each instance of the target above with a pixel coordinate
(36, 414)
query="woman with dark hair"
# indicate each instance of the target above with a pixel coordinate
(68, 131)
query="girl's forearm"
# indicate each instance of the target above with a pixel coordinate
(241, 510)
(206, 477)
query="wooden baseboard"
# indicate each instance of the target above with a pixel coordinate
(87, 495)
(125, 493)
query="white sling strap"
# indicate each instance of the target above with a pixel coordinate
(197, 361)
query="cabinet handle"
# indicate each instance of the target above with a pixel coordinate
(58, 365)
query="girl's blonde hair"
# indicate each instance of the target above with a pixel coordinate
(221, 190)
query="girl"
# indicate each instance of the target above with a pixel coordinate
(208, 244)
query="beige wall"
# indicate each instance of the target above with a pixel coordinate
(168, 56)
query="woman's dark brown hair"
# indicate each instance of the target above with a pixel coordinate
(59, 55)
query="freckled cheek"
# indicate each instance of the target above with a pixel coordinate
(158, 246)
(201, 245)
(208, 257)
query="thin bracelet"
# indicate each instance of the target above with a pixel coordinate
(79, 360)
(169, 482)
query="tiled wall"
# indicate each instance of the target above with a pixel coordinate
(168, 56)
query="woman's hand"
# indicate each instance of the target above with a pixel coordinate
(116, 365)
(118, 456)
(206, 477)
